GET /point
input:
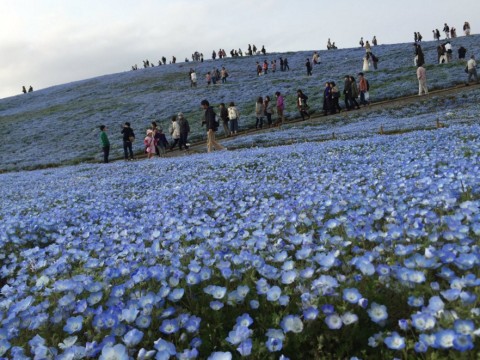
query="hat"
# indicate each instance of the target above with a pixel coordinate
(149, 131)
(180, 115)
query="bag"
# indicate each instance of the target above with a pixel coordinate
(131, 139)
(367, 95)
(466, 69)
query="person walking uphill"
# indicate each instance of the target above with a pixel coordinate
(184, 131)
(472, 69)
(175, 132)
(422, 80)
(212, 126)
(105, 143)
(128, 138)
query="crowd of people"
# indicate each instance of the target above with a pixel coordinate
(24, 89)
(355, 93)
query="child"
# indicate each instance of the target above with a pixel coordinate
(149, 144)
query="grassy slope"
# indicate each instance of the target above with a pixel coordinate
(58, 125)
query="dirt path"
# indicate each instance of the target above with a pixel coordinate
(201, 146)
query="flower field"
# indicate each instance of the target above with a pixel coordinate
(360, 248)
(68, 115)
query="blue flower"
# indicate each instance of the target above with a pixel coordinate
(118, 352)
(274, 344)
(218, 355)
(310, 313)
(244, 320)
(333, 321)
(238, 334)
(133, 337)
(245, 347)
(169, 326)
(395, 341)
(165, 348)
(73, 325)
(415, 301)
(176, 294)
(292, 323)
(378, 313)
(444, 339)
(273, 294)
(216, 305)
(463, 342)
(351, 295)
(4, 346)
(423, 321)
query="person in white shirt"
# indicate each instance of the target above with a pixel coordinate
(472, 69)
(422, 80)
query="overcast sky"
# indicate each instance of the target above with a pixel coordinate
(51, 42)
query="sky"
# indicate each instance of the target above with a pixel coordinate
(51, 42)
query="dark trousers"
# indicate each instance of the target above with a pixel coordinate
(183, 141)
(175, 142)
(106, 152)
(127, 149)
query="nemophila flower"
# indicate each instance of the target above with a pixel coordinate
(363, 303)
(435, 285)
(310, 313)
(328, 309)
(244, 320)
(118, 352)
(374, 340)
(420, 347)
(262, 286)
(435, 304)
(450, 294)
(351, 295)
(133, 337)
(4, 346)
(284, 300)
(145, 354)
(274, 344)
(245, 347)
(169, 326)
(349, 318)
(273, 294)
(395, 341)
(219, 355)
(143, 321)
(289, 277)
(467, 298)
(415, 301)
(238, 334)
(176, 294)
(307, 273)
(403, 324)
(216, 305)
(333, 321)
(292, 323)
(463, 342)
(444, 339)
(254, 304)
(378, 313)
(218, 292)
(193, 324)
(130, 314)
(73, 325)
(423, 321)
(464, 327)
(165, 349)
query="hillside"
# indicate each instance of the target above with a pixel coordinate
(58, 125)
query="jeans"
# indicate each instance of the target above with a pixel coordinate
(127, 145)
(259, 121)
(234, 125)
(183, 141)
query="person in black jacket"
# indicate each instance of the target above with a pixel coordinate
(128, 138)
(184, 130)
(212, 126)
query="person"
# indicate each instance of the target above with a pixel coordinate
(24, 90)
(274, 65)
(466, 28)
(361, 42)
(268, 106)
(224, 117)
(419, 36)
(419, 57)
(315, 58)
(374, 40)
(175, 133)
(446, 30)
(347, 92)
(193, 78)
(448, 52)
(282, 64)
(363, 87)
(156, 137)
(302, 104)
(211, 125)
(105, 143)
(329, 44)
(161, 143)
(422, 80)
(259, 69)
(263, 51)
(184, 130)
(436, 34)
(415, 37)
(366, 62)
(30, 89)
(308, 65)
(453, 32)
(335, 97)
(280, 107)
(472, 69)
(368, 48)
(233, 116)
(327, 99)
(265, 67)
(224, 75)
(355, 92)
(149, 143)
(285, 65)
(128, 138)
(462, 52)
(259, 112)
(208, 77)
(374, 61)
(441, 54)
